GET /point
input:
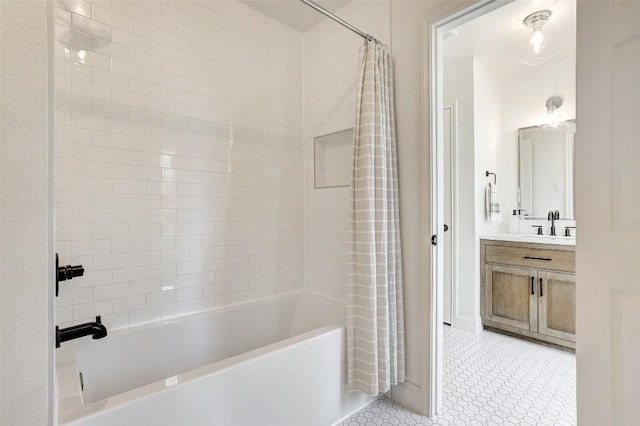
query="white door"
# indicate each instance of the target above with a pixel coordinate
(448, 133)
(607, 151)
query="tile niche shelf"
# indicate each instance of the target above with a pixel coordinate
(332, 159)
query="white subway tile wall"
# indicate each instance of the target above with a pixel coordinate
(179, 153)
(330, 77)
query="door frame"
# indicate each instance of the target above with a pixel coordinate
(452, 251)
(442, 20)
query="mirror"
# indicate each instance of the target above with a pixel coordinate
(545, 177)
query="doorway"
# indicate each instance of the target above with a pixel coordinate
(502, 97)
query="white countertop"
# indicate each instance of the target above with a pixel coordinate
(532, 238)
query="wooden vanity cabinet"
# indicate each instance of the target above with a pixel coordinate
(529, 289)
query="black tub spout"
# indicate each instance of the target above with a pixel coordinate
(95, 329)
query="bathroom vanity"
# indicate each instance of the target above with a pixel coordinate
(528, 287)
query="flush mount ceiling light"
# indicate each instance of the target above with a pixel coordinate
(555, 121)
(538, 41)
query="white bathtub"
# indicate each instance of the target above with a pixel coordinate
(275, 362)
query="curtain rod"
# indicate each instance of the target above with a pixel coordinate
(339, 20)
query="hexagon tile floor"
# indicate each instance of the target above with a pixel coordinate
(492, 379)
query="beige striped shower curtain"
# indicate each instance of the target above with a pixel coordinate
(375, 320)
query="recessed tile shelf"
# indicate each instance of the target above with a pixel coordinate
(332, 159)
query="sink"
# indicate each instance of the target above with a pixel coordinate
(546, 237)
(533, 238)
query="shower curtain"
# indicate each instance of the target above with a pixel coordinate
(375, 320)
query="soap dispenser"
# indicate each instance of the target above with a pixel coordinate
(513, 223)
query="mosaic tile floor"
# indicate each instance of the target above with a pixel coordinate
(492, 379)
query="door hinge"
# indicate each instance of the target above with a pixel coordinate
(434, 240)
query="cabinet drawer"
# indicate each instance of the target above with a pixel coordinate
(535, 258)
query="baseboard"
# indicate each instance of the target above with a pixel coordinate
(409, 396)
(366, 403)
(467, 323)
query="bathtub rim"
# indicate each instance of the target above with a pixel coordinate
(215, 309)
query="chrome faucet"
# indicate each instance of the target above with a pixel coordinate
(553, 216)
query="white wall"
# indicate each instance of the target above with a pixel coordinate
(407, 55)
(179, 173)
(330, 80)
(26, 333)
(487, 119)
(487, 125)
(523, 105)
(458, 86)
(409, 50)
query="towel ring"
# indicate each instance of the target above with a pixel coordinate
(495, 179)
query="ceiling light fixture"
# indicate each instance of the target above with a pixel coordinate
(538, 41)
(555, 121)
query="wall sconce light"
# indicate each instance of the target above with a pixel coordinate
(555, 121)
(538, 41)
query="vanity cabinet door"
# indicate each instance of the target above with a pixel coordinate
(557, 305)
(511, 296)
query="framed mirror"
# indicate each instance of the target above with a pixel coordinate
(545, 171)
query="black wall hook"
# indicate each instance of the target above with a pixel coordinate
(495, 179)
